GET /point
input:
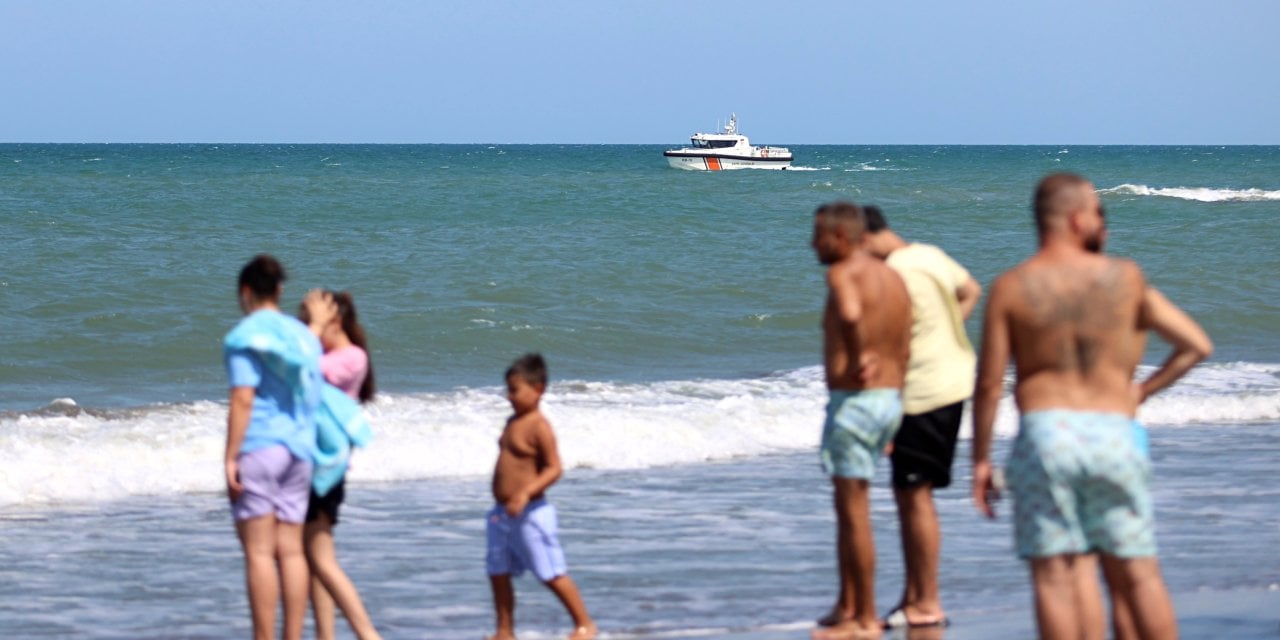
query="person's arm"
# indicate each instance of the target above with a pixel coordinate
(545, 441)
(321, 310)
(1190, 343)
(992, 360)
(241, 407)
(967, 295)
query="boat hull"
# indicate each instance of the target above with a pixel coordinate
(692, 162)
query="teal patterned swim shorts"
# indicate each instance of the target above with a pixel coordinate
(1079, 483)
(859, 425)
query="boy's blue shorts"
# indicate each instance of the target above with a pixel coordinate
(528, 541)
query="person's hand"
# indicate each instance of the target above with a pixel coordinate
(1136, 393)
(234, 488)
(868, 368)
(985, 490)
(320, 308)
(516, 504)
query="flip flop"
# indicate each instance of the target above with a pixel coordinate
(897, 619)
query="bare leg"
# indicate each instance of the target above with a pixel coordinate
(1089, 606)
(294, 577)
(1122, 624)
(258, 538)
(321, 601)
(844, 608)
(584, 628)
(1138, 583)
(1057, 607)
(504, 607)
(857, 557)
(330, 583)
(921, 546)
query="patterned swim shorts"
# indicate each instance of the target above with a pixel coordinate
(1079, 483)
(859, 425)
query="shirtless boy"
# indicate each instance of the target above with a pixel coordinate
(1075, 323)
(866, 330)
(522, 529)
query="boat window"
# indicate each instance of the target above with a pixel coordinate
(722, 144)
(700, 144)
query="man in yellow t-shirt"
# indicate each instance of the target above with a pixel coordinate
(939, 379)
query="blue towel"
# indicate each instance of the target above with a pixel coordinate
(340, 424)
(291, 353)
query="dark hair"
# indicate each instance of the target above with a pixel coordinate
(845, 215)
(874, 218)
(530, 367)
(350, 326)
(1057, 194)
(263, 275)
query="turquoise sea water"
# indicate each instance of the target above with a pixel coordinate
(678, 312)
(118, 274)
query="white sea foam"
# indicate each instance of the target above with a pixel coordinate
(868, 166)
(808, 168)
(1199, 194)
(67, 453)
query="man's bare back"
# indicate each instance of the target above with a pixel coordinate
(1073, 323)
(866, 325)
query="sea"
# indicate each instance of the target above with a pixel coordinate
(679, 315)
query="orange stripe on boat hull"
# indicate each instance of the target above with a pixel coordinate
(713, 164)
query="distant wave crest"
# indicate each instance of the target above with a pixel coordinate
(1199, 194)
(66, 453)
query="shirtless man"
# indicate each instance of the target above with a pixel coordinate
(866, 330)
(1075, 323)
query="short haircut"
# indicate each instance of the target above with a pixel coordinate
(874, 218)
(263, 275)
(844, 215)
(1057, 195)
(531, 368)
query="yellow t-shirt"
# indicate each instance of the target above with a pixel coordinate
(942, 365)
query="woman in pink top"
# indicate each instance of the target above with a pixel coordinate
(345, 364)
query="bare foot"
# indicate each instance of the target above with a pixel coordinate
(847, 630)
(834, 618)
(585, 632)
(501, 635)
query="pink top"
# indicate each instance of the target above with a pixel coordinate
(346, 369)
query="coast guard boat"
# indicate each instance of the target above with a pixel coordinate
(728, 150)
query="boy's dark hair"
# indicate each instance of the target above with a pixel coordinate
(263, 275)
(531, 368)
(874, 218)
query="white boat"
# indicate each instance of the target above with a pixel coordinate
(728, 150)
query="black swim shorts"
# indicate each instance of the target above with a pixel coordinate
(925, 446)
(328, 504)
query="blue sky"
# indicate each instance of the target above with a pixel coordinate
(609, 71)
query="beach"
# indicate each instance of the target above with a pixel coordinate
(679, 315)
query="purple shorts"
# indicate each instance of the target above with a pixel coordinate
(274, 482)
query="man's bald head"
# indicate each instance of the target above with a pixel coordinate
(1058, 196)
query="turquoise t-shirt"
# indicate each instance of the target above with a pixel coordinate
(285, 375)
